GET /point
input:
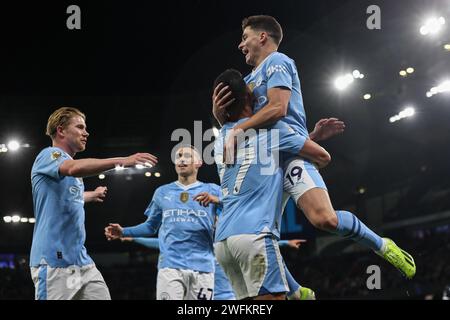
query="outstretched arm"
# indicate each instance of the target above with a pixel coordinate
(90, 167)
(95, 196)
(295, 244)
(115, 231)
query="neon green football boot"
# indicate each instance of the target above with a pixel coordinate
(399, 258)
(303, 294)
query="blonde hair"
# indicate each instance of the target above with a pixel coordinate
(61, 117)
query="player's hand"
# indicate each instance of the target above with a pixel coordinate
(327, 128)
(221, 99)
(296, 243)
(114, 231)
(145, 159)
(204, 198)
(230, 147)
(126, 239)
(99, 194)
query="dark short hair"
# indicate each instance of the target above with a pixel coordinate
(234, 80)
(265, 23)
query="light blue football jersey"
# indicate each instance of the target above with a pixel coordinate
(278, 70)
(252, 187)
(59, 232)
(185, 227)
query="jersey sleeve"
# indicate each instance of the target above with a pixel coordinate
(152, 243)
(154, 211)
(283, 243)
(49, 161)
(279, 72)
(151, 225)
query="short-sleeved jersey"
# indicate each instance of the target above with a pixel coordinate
(252, 187)
(186, 228)
(59, 232)
(278, 70)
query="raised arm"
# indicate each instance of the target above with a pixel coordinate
(90, 167)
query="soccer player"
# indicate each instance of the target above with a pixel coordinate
(296, 291)
(61, 268)
(186, 262)
(248, 228)
(275, 84)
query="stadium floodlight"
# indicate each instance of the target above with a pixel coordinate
(447, 46)
(31, 220)
(24, 220)
(101, 176)
(13, 145)
(7, 219)
(3, 148)
(394, 119)
(148, 174)
(367, 96)
(406, 113)
(15, 219)
(403, 73)
(342, 82)
(432, 26)
(442, 87)
(356, 74)
(139, 166)
(410, 70)
(157, 174)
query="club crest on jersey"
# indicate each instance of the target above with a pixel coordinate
(56, 155)
(184, 197)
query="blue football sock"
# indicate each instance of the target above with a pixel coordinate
(351, 227)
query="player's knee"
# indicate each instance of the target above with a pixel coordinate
(325, 220)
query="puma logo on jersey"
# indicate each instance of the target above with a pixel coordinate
(276, 68)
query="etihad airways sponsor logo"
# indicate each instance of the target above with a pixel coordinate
(184, 213)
